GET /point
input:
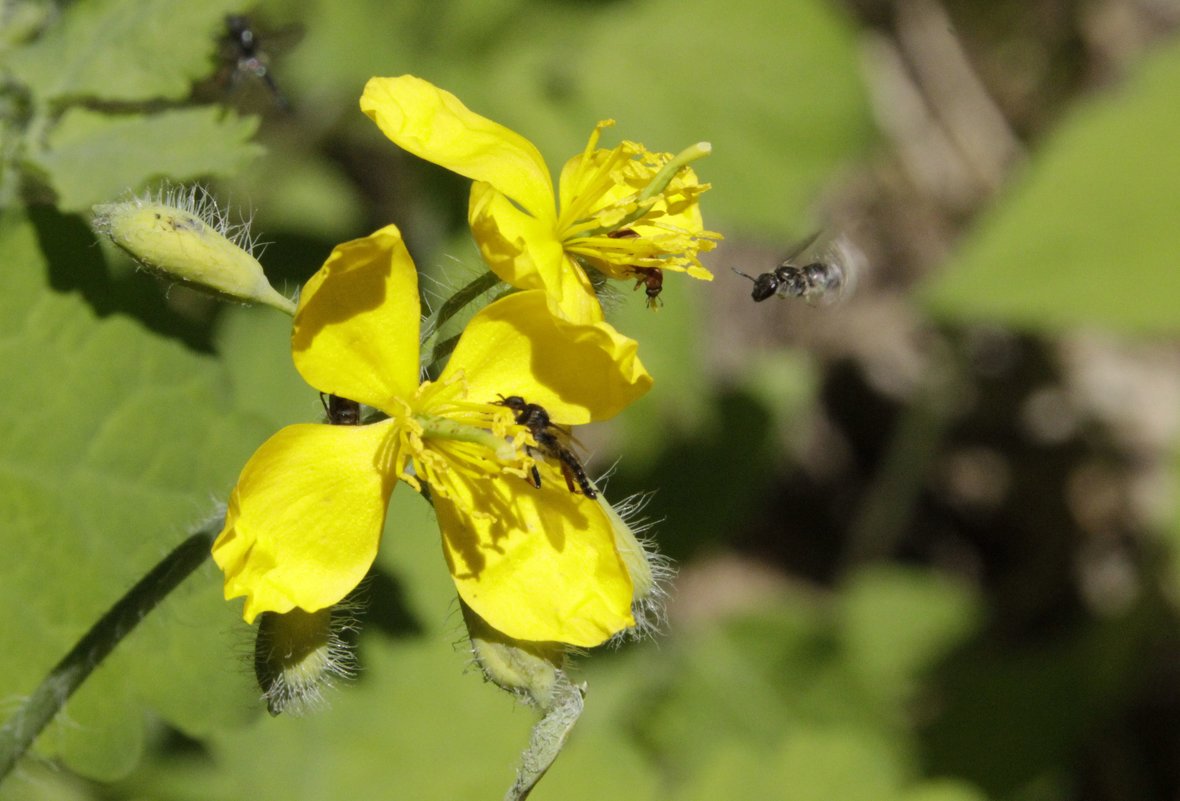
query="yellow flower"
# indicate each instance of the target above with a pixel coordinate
(623, 211)
(306, 517)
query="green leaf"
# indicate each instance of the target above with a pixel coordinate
(944, 790)
(114, 440)
(814, 764)
(255, 345)
(786, 106)
(896, 623)
(123, 50)
(93, 158)
(1088, 235)
(749, 681)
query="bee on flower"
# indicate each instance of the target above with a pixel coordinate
(537, 563)
(625, 213)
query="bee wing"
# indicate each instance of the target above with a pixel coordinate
(282, 39)
(566, 438)
(845, 263)
(800, 247)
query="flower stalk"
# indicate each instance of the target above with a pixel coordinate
(40, 708)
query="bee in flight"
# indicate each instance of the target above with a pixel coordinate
(551, 441)
(244, 56)
(826, 277)
(341, 411)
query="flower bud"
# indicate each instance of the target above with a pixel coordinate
(531, 671)
(182, 235)
(298, 655)
(650, 571)
(528, 670)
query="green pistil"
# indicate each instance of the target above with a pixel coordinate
(649, 194)
(669, 170)
(446, 428)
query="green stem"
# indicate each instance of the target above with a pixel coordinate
(439, 354)
(18, 734)
(456, 302)
(434, 352)
(465, 294)
(431, 354)
(889, 503)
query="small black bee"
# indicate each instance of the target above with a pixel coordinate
(551, 441)
(341, 411)
(243, 50)
(826, 278)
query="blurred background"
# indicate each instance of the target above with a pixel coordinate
(926, 535)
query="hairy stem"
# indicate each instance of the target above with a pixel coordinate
(67, 675)
(453, 305)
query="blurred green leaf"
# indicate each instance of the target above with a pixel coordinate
(750, 680)
(123, 50)
(1088, 235)
(712, 691)
(439, 41)
(672, 350)
(895, 622)
(776, 88)
(94, 158)
(114, 441)
(294, 192)
(819, 764)
(1011, 718)
(944, 790)
(785, 382)
(255, 345)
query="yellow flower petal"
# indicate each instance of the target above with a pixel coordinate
(435, 125)
(536, 564)
(525, 253)
(516, 246)
(305, 519)
(577, 301)
(578, 372)
(356, 329)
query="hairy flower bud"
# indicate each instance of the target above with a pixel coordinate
(650, 571)
(532, 672)
(297, 655)
(182, 235)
